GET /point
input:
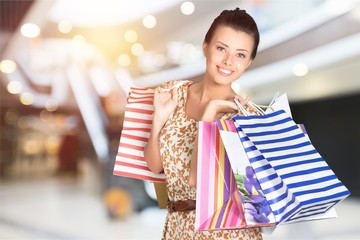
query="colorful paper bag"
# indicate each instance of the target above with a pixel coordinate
(218, 204)
(295, 179)
(257, 210)
(130, 160)
(279, 103)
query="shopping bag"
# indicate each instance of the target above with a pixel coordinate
(130, 160)
(218, 203)
(297, 182)
(256, 208)
(279, 103)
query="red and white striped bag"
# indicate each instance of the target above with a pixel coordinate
(130, 160)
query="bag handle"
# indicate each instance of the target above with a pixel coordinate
(258, 109)
(274, 98)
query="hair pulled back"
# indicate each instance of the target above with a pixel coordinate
(238, 20)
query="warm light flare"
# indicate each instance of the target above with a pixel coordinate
(300, 69)
(11, 116)
(51, 105)
(14, 87)
(131, 36)
(149, 21)
(27, 98)
(30, 30)
(46, 116)
(137, 49)
(96, 13)
(7, 66)
(65, 26)
(124, 60)
(187, 8)
(79, 39)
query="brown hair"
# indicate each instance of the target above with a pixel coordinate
(239, 20)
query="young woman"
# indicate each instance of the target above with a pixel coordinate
(230, 46)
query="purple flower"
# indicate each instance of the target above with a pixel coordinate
(255, 204)
(256, 215)
(251, 184)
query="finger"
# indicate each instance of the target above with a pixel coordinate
(239, 98)
(246, 100)
(242, 100)
(157, 89)
(168, 85)
(174, 94)
(228, 106)
(164, 85)
(233, 106)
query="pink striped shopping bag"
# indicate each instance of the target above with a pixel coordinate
(130, 160)
(218, 204)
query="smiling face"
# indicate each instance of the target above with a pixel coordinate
(228, 55)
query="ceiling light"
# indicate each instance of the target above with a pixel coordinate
(79, 39)
(65, 26)
(51, 105)
(14, 87)
(131, 36)
(23, 122)
(187, 8)
(30, 30)
(7, 66)
(149, 21)
(11, 116)
(46, 116)
(27, 98)
(96, 13)
(300, 69)
(124, 60)
(137, 49)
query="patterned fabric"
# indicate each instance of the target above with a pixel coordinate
(176, 144)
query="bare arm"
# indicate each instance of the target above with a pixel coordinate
(152, 149)
(165, 103)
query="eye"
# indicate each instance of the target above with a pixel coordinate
(241, 55)
(220, 48)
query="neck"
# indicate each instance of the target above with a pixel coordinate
(208, 91)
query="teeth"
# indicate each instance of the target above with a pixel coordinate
(224, 71)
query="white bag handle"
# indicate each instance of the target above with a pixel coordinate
(274, 98)
(241, 108)
(258, 109)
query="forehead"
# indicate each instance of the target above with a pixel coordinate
(233, 38)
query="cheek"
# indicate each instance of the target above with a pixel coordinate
(243, 64)
(215, 56)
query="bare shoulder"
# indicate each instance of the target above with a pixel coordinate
(172, 83)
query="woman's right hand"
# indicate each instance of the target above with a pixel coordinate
(165, 103)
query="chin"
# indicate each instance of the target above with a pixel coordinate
(222, 80)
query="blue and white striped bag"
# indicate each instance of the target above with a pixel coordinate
(297, 182)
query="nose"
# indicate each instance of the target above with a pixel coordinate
(228, 60)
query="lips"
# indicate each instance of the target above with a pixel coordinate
(224, 72)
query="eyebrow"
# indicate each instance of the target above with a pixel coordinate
(240, 49)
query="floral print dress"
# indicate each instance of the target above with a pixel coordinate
(176, 144)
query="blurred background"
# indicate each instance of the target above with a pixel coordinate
(66, 67)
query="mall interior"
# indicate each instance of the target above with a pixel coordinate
(67, 66)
